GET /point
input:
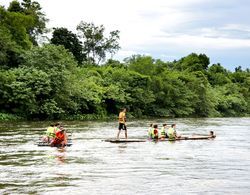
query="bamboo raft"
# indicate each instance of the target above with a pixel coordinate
(195, 137)
(124, 140)
(46, 144)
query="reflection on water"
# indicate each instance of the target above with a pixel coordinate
(60, 156)
(91, 166)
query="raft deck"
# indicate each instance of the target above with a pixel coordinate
(196, 137)
(124, 140)
(48, 145)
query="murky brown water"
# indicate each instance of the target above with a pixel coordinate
(91, 166)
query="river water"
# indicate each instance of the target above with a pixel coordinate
(91, 166)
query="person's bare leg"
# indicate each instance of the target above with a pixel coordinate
(126, 134)
(118, 134)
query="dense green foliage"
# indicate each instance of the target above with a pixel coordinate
(55, 81)
(62, 36)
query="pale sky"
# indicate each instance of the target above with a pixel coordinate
(164, 29)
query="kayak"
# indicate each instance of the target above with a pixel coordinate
(194, 137)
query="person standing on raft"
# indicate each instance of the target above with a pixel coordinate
(122, 123)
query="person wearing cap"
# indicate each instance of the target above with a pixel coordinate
(60, 139)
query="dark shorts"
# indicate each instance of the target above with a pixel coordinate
(122, 126)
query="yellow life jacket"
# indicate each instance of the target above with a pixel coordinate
(50, 132)
(163, 131)
(150, 131)
(171, 133)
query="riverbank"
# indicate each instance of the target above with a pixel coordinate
(4, 117)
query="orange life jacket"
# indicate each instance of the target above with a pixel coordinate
(59, 137)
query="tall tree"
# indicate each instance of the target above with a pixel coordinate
(96, 45)
(62, 36)
(17, 25)
(15, 6)
(33, 10)
(10, 51)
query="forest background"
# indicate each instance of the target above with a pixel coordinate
(73, 76)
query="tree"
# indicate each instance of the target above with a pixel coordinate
(231, 102)
(15, 6)
(96, 45)
(17, 25)
(142, 64)
(33, 10)
(10, 51)
(62, 36)
(59, 65)
(193, 62)
(217, 75)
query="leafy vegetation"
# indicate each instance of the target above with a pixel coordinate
(63, 79)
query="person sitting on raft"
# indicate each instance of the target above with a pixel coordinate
(60, 138)
(154, 132)
(150, 130)
(50, 133)
(163, 131)
(211, 133)
(172, 135)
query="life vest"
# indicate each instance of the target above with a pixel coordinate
(150, 131)
(154, 134)
(171, 133)
(50, 132)
(59, 137)
(163, 131)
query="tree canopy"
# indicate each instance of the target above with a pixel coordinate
(96, 45)
(62, 36)
(69, 78)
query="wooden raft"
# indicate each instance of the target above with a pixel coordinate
(196, 137)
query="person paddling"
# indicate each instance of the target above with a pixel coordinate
(122, 123)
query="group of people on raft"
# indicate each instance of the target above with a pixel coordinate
(165, 132)
(56, 135)
(153, 132)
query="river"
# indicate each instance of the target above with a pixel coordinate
(91, 166)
